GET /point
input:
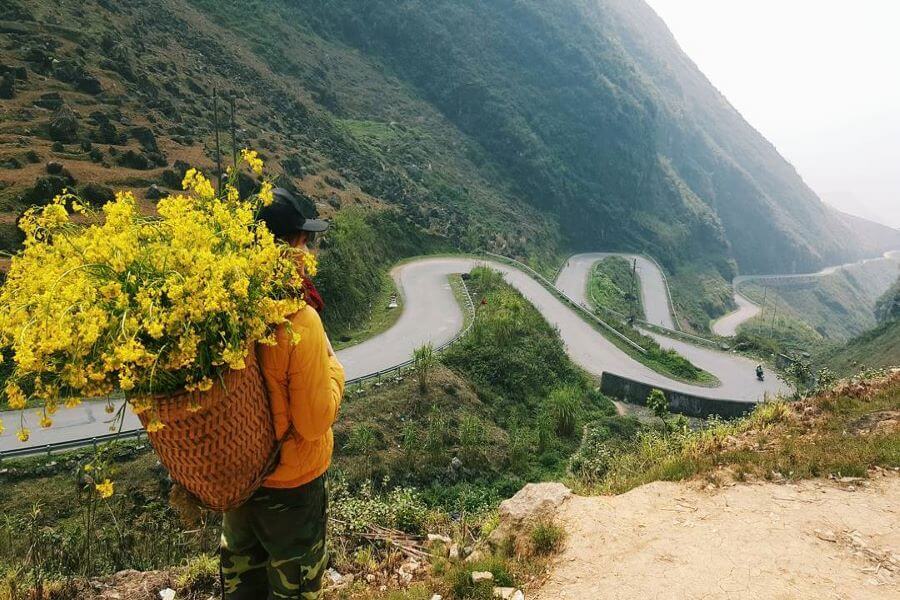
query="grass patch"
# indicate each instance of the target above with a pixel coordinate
(547, 537)
(612, 286)
(379, 318)
(838, 432)
(356, 253)
(876, 348)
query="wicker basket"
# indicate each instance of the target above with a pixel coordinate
(222, 453)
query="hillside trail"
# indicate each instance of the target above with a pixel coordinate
(814, 539)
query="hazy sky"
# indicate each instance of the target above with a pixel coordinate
(819, 78)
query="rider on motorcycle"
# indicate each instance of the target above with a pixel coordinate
(759, 371)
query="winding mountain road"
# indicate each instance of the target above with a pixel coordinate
(728, 324)
(432, 314)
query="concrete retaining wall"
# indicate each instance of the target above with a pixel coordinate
(636, 392)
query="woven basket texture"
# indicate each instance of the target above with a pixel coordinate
(221, 453)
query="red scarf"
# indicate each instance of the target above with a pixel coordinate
(312, 296)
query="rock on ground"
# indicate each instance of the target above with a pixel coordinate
(816, 539)
(534, 503)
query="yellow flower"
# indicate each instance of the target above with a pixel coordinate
(155, 425)
(310, 264)
(45, 421)
(23, 434)
(15, 397)
(137, 304)
(265, 194)
(105, 489)
(251, 157)
(2, 429)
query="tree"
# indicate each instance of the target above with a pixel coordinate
(659, 404)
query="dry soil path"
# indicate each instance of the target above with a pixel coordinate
(815, 539)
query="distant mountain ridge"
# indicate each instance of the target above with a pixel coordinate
(529, 127)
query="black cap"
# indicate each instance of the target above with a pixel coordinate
(286, 216)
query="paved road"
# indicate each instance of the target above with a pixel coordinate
(735, 372)
(574, 278)
(727, 325)
(431, 313)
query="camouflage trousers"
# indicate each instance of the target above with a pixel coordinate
(274, 545)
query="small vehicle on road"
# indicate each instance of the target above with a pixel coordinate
(760, 374)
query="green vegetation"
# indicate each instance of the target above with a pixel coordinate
(474, 143)
(546, 537)
(819, 436)
(613, 286)
(876, 348)
(423, 361)
(663, 360)
(835, 307)
(701, 294)
(381, 316)
(768, 335)
(357, 251)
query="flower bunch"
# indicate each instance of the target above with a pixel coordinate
(145, 305)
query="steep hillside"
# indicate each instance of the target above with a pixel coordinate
(837, 306)
(879, 347)
(526, 127)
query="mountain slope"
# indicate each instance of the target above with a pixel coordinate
(526, 127)
(599, 117)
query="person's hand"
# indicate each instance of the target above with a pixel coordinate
(329, 346)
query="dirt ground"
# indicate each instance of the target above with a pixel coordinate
(818, 539)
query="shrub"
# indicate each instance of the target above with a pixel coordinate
(659, 404)
(423, 361)
(546, 537)
(199, 574)
(471, 437)
(564, 408)
(601, 440)
(361, 440)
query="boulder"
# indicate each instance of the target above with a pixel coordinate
(8, 86)
(534, 503)
(49, 100)
(133, 160)
(508, 593)
(145, 137)
(46, 188)
(438, 538)
(64, 125)
(96, 194)
(479, 576)
(89, 84)
(154, 193)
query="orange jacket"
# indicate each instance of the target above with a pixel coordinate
(305, 386)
